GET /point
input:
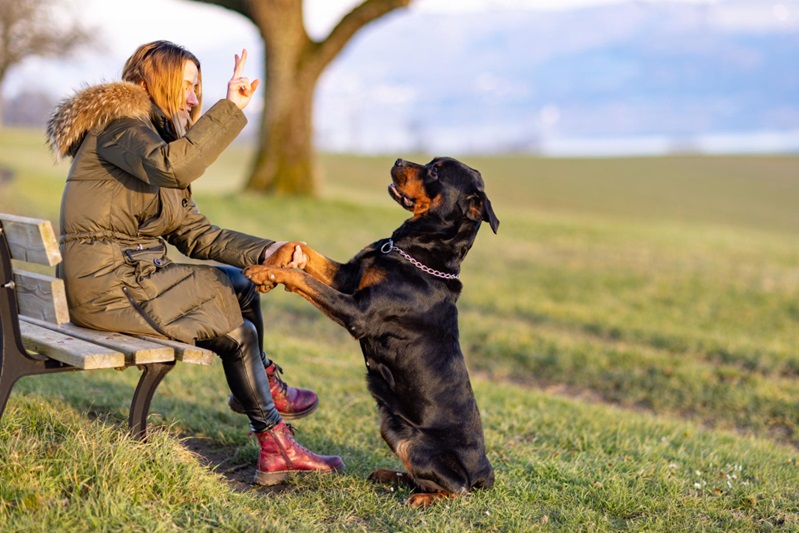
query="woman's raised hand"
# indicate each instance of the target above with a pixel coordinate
(240, 89)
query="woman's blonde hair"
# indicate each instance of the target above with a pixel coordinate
(159, 67)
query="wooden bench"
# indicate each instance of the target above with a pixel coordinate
(37, 336)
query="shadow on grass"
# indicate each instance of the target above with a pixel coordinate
(239, 472)
(224, 460)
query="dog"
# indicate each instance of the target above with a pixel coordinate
(398, 298)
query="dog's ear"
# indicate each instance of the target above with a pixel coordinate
(480, 209)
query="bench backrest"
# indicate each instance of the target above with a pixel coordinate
(32, 240)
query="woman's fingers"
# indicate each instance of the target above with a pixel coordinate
(242, 85)
(240, 89)
(239, 65)
(298, 259)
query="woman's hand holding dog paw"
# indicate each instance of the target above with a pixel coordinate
(285, 254)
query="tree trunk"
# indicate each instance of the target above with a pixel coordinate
(285, 163)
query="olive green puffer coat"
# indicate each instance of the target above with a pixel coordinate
(127, 195)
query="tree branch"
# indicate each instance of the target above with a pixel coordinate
(360, 16)
(237, 6)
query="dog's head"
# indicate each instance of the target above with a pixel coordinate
(444, 187)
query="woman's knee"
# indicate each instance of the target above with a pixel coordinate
(239, 341)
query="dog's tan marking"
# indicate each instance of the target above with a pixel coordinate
(371, 277)
(403, 451)
(414, 188)
(416, 191)
(476, 212)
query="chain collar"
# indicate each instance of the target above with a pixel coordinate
(389, 247)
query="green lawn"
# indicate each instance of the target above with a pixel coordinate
(631, 331)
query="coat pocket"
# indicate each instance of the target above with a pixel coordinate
(146, 260)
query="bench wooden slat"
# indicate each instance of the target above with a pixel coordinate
(137, 351)
(31, 239)
(185, 353)
(68, 349)
(41, 297)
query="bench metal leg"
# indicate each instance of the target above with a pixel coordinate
(16, 363)
(6, 384)
(152, 375)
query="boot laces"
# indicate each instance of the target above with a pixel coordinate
(293, 432)
(280, 383)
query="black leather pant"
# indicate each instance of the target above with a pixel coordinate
(249, 302)
(243, 360)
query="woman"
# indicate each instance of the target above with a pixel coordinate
(137, 145)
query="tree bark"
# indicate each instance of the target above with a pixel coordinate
(285, 158)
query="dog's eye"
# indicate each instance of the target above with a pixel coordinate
(433, 172)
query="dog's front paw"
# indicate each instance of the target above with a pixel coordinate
(263, 277)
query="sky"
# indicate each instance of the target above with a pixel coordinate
(199, 26)
(215, 35)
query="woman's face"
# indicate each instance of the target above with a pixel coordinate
(191, 78)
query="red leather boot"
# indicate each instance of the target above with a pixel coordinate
(290, 402)
(282, 456)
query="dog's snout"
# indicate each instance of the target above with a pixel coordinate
(400, 162)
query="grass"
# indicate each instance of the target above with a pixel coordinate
(631, 333)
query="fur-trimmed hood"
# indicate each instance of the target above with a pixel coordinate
(91, 109)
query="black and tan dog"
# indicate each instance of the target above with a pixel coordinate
(398, 298)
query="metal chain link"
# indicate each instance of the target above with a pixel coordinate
(389, 247)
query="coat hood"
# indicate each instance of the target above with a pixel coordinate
(90, 109)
